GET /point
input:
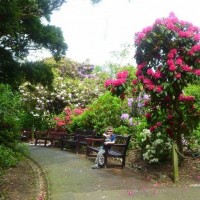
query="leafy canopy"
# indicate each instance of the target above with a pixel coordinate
(24, 27)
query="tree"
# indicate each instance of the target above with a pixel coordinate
(22, 29)
(167, 55)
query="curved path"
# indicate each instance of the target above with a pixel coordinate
(70, 177)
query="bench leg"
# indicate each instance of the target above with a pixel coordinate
(105, 161)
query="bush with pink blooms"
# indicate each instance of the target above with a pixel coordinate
(167, 56)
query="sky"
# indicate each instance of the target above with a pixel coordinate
(94, 31)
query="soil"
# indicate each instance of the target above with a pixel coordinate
(21, 182)
(25, 181)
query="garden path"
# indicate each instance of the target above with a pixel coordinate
(70, 177)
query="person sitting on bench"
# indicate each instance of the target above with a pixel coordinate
(110, 138)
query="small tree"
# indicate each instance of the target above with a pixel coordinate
(167, 55)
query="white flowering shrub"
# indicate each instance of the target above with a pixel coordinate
(155, 147)
(71, 87)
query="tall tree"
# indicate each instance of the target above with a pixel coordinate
(23, 27)
(167, 55)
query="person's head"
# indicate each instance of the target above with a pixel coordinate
(109, 130)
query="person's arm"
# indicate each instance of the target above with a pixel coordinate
(106, 135)
(109, 142)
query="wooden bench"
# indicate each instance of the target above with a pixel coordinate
(116, 150)
(77, 139)
(51, 135)
(26, 135)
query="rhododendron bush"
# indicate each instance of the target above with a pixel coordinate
(168, 59)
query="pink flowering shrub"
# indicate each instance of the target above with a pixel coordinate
(118, 86)
(64, 119)
(167, 56)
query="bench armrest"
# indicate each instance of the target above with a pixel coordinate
(115, 145)
(90, 141)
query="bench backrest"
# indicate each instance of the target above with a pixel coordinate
(84, 132)
(123, 140)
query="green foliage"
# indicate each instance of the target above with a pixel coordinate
(22, 28)
(103, 112)
(194, 90)
(11, 157)
(155, 148)
(10, 115)
(38, 73)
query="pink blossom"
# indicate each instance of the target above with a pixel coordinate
(123, 75)
(150, 87)
(134, 82)
(147, 81)
(186, 68)
(197, 72)
(172, 68)
(78, 111)
(170, 26)
(57, 119)
(108, 83)
(148, 115)
(141, 77)
(152, 128)
(170, 62)
(158, 21)
(159, 89)
(67, 111)
(170, 55)
(185, 34)
(169, 116)
(178, 75)
(186, 98)
(197, 37)
(118, 82)
(174, 51)
(157, 74)
(147, 29)
(158, 124)
(150, 72)
(179, 61)
(138, 72)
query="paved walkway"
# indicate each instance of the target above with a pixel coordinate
(70, 177)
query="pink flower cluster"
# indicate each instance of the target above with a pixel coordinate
(153, 128)
(186, 98)
(176, 63)
(122, 75)
(174, 24)
(121, 79)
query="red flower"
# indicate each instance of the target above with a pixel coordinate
(158, 124)
(153, 128)
(122, 96)
(169, 116)
(134, 82)
(148, 115)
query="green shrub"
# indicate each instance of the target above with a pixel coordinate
(103, 112)
(10, 157)
(10, 116)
